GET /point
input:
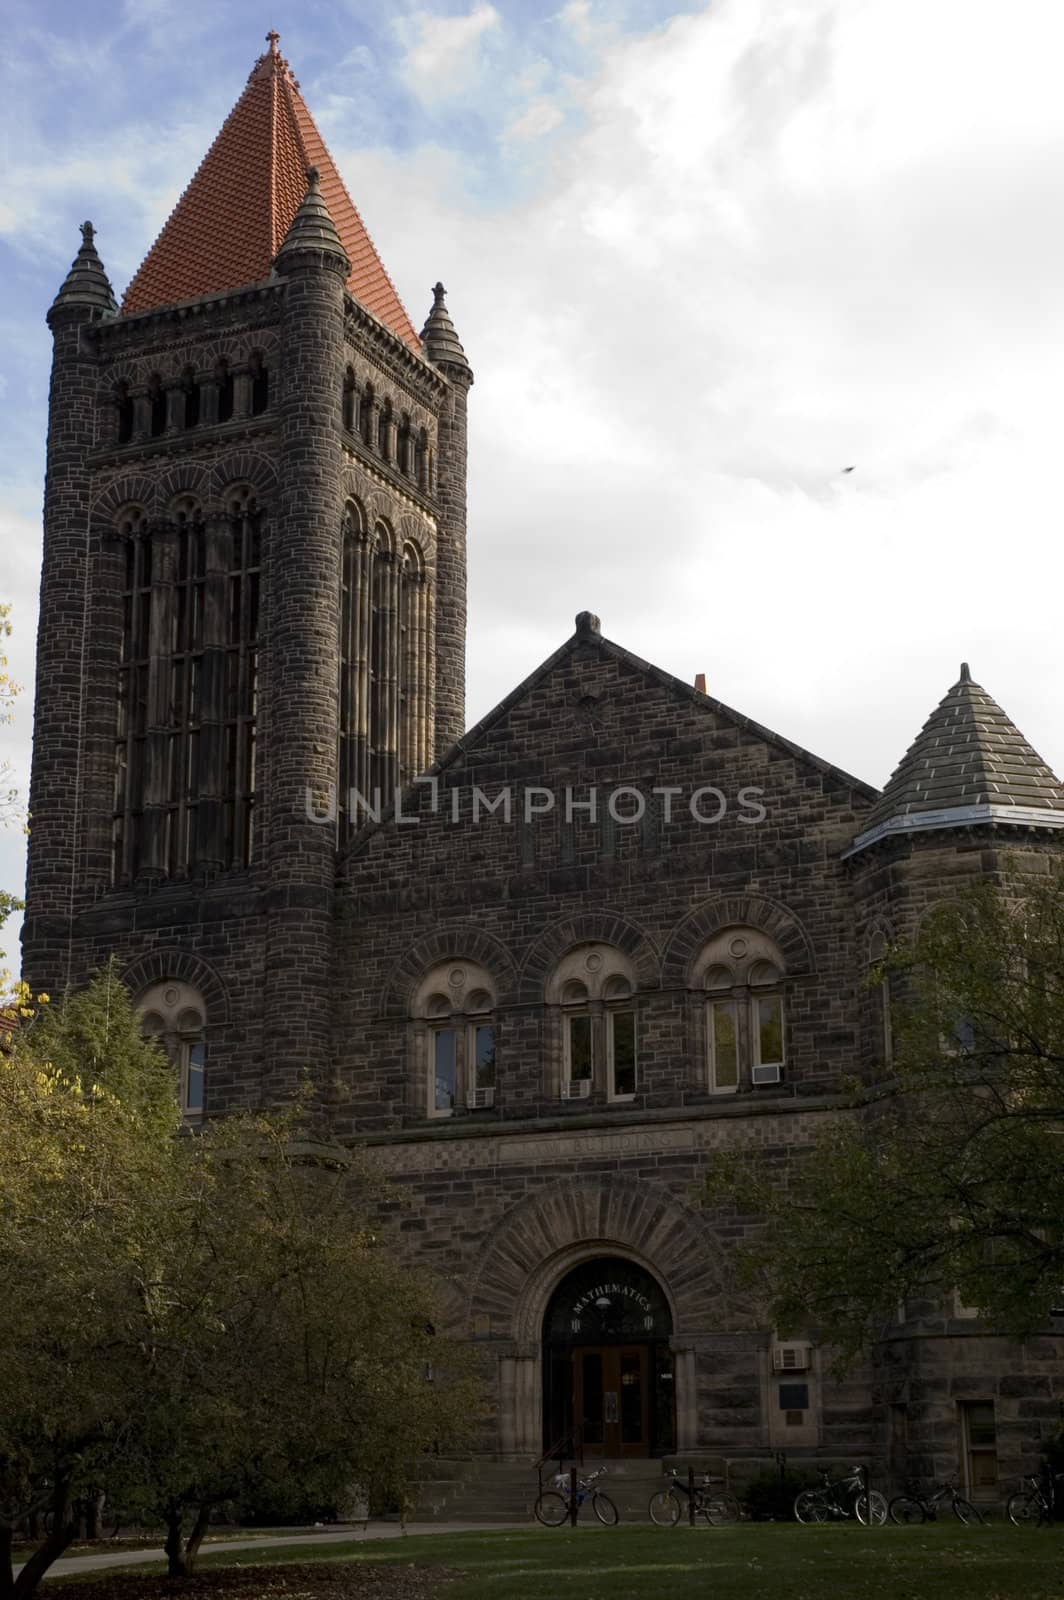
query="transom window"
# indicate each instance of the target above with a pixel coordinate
(174, 1014)
(455, 1044)
(593, 988)
(742, 973)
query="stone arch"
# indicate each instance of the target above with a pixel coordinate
(576, 1219)
(458, 940)
(246, 467)
(184, 478)
(155, 966)
(590, 927)
(744, 910)
(122, 493)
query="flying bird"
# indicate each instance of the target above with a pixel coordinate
(847, 469)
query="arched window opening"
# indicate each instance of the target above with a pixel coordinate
(594, 991)
(260, 385)
(455, 1038)
(421, 466)
(175, 1015)
(366, 417)
(350, 393)
(185, 775)
(157, 406)
(742, 975)
(385, 424)
(403, 447)
(191, 388)
(132, 699)
(223, 377)
(124, 407)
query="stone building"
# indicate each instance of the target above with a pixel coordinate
(545, 967)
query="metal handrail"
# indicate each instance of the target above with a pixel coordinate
(569, 1444)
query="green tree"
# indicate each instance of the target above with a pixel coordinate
(192, 1318)
(82, 1212)
(946, 1175)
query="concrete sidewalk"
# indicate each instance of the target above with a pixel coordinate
(355, 1532)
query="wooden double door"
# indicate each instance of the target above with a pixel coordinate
(611, 1399)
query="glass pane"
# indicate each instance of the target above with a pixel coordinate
(981, 1427)
(770, 1031)
(445, 1074)
(194, 1076)
(484, 1057)
(631, 1397)
(794, 1397)
(725, 1045)
(591, 1421)
(623, 1029)
(579, 1047)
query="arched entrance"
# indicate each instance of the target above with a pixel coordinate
(607, 1365)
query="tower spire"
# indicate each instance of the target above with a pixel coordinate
(86, 284)
(442, 344)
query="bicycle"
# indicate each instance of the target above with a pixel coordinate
(553, 1507)
(716, 1505)
(836, 1500)
(1035, 1504)
(912, 1507)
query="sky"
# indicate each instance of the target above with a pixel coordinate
(702, 258)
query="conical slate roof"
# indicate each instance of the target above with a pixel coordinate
(231, 221)
(86, 284)
(968, 764)
(442, 344)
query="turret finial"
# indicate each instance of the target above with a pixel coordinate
(273, 39)
(966, 676)
(313, 227)
(442, 344)
(86, 285)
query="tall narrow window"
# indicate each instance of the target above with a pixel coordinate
(350, 392)
(242, 678)
(132, 711)
(979, 1443)
(192, 398)
(742, 975)
(224, 379)
(454, 1039)
(593, 989)
(157, 404)
(174, 1014)
(260, 385)
(124, 406)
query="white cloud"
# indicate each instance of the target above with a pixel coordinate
(444, 54)
(541, 116)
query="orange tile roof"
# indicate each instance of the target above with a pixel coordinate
(230, 222)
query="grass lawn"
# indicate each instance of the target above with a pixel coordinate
(937, 1562)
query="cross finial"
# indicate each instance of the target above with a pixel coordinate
(313, 178)
(273, 39)
(438, 292)
(88, 234)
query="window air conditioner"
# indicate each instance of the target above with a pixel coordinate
(766, 1074)
(791, 1358)
(576, 1089)
(477, 1099)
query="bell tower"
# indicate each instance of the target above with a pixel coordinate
(253, 591)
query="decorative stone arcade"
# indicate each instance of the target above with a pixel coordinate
(608, 1382)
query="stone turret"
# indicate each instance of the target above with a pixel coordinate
(57, 789)
(306, 555)
(444, 349)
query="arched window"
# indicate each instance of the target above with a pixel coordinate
(403, 453)
(260, 385)
(185, 776)
(742, 973)
(455, 1038)
(366, 417)
(384, 430)
(191, 389)
(350, 397)
(593, 989)
(223, 378)
(124, 408)
(174, 1014)
(878, 947)
(157, 405)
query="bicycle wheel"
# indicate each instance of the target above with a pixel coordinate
(664, 1509)
(552, 1509)
(722, 1507)
(1024, 1510)
(810, 1506)
(871, 1511)
(906, 1511)
(604, 1509)
(964, 1511)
